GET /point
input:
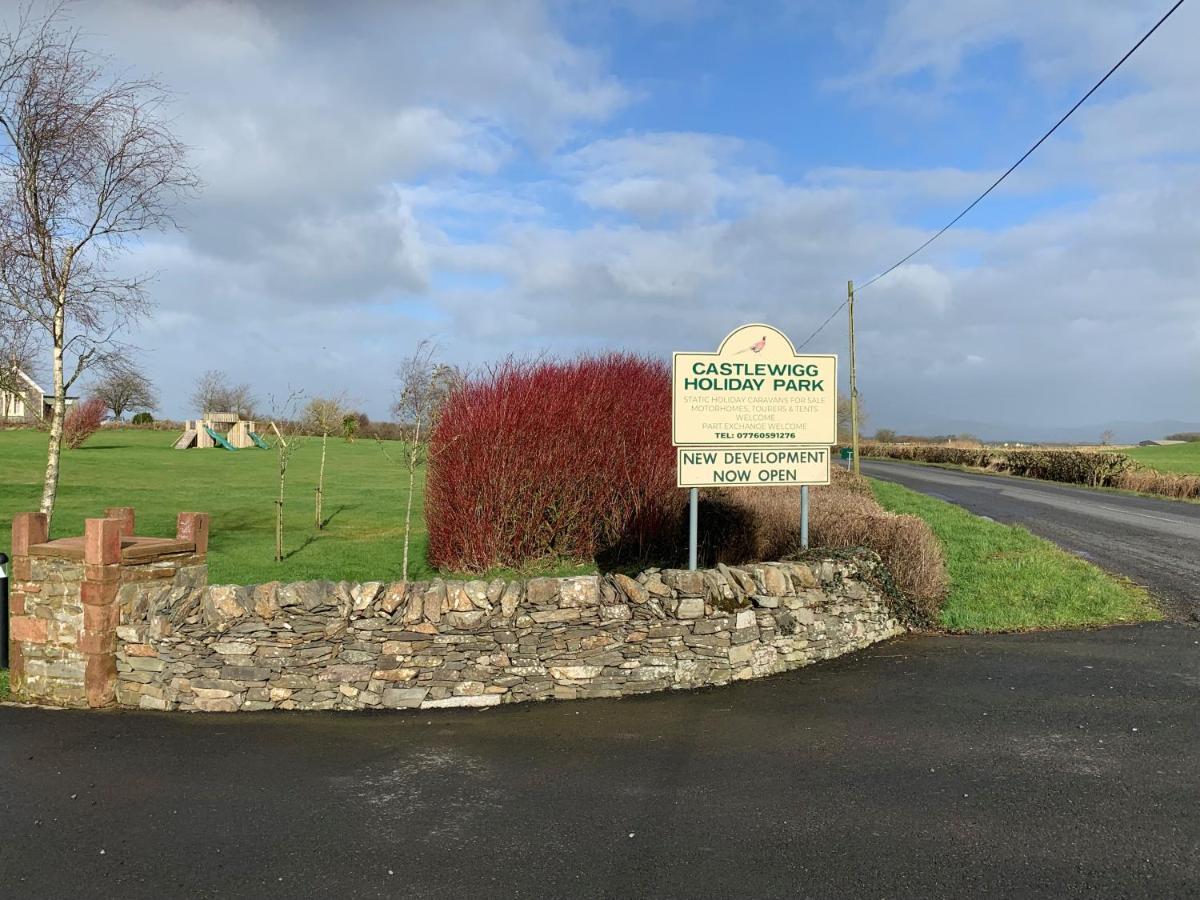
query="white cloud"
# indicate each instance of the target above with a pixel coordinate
(917, 284)
(655, 175)
(305, 122)
(427, 169)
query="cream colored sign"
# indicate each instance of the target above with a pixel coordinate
(752, 466)
(754, 391)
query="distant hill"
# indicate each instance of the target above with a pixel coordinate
(1124, 431)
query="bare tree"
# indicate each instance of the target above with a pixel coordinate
(209, 392)
(287, 441)
(87, 162)
(844, 414)
(424, 386)
(241, 400)
(1107, 437)
(214, 393)
(124, 387)
(324, 416)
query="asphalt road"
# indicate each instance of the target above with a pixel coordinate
(1056, 764)
(1153, 542)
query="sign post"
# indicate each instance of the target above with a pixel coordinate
(804, 517)
(693, 527)
(3, 612)
(752, 414)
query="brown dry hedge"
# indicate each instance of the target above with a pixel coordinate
(1096, 468)
(745, 524)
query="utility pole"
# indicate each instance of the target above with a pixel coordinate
(853, 381)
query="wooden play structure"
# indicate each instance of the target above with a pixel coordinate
(228, 431)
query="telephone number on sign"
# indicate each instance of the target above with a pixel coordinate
(772, 435)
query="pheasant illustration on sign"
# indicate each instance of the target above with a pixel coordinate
(756, 347)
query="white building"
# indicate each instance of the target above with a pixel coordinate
(28, 404)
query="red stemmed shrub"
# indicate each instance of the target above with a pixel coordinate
(552, 460)
(83, 420)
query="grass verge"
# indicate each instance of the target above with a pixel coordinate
(3, 684)
(1004, 578)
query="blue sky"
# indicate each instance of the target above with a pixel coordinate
(520, 177)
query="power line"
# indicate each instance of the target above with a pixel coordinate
(821, 327)
(1028, 152)
(1010, 169)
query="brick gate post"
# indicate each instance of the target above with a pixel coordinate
(101, 581)
(27, 529)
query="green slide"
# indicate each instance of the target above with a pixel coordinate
(221, 442)
(258, 441)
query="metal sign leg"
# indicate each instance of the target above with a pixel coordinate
(804, 517)
(693, 526)
(3, 612)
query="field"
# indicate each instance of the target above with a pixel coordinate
(1004, 578)
(1181, 458)
(364, 501)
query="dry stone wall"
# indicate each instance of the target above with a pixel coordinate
(109, 618)
(327, 645)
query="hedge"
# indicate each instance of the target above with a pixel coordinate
(1096, 468)
(554, 460)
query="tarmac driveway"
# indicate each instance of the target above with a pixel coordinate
(1056, 764)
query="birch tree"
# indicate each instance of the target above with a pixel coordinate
(424, 384)
(87, 161)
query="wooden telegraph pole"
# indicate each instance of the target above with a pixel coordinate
(853, 381)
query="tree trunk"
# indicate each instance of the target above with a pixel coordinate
(279, 515)
(321, 482)
(412, 469)
(412, 473)
(54, 449)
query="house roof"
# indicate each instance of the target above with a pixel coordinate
(37, 387)
(33, 384)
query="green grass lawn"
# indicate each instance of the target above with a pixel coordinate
(1003, 578)
(1182, 458)
(364, 501)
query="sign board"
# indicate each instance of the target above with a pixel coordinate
(752, 466)
(755, 391)
(847, 453)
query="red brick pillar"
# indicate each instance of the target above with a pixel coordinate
(125, 515)
(101, 581)
(27, 529)
(193, 526)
